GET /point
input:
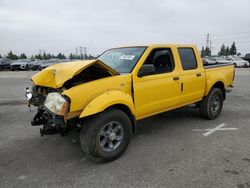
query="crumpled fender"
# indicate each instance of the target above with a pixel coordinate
(106, 100)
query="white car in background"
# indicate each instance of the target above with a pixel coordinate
(217, 60)
(238, 62)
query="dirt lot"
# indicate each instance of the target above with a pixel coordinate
(170, 150)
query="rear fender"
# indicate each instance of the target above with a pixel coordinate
(107, 99)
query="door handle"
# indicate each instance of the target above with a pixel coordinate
(176, 78)
(198, 75)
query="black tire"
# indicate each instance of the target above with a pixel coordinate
(92, 133)
(209, 108)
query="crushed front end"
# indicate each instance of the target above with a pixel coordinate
(49, 86)
(51, 108)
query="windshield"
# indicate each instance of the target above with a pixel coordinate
(122, 60)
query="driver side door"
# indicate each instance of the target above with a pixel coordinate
(159, 90)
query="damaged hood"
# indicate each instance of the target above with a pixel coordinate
(56, 75)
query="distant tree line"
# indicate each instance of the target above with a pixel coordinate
(86, 56)
(47, 56)
(205, 51)
(13, 56)
(224, 50)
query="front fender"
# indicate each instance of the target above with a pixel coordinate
(106, 100)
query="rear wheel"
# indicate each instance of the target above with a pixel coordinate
(211, 105)
(105, 136)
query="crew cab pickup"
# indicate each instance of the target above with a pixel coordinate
(104, 98)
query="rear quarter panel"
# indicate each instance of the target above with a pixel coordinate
(223, 74)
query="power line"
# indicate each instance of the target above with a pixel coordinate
(231, 41)
(242, 41)
(232, 34)
(232, 38)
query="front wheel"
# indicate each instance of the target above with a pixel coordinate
(211, 105)
(105, 136)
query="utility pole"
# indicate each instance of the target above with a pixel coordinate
(210, 45)
(207, 41)
(85, 52)
(80, 49)
(76, 51)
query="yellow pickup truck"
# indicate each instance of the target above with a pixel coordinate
(104, 98)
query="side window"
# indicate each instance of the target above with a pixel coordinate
(188, 60)
(161, 59)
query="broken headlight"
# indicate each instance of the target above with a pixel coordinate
(28, 93)
(56, 103)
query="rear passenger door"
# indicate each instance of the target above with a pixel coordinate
(192, 76)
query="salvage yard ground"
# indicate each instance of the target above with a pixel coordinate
(173, 149)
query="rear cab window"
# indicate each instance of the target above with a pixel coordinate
(187, 57)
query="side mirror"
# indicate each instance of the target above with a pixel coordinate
(146, 70)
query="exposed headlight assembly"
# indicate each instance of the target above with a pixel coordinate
(56, 103)
(28, 93)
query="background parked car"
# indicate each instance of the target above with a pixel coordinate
(46, 63)
(247, 57)
(22, 64)
(238, 62)
(217, 60)
(34, 65)
(5, 64)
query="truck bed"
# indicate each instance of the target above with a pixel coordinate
(223, 73)
(209, 66)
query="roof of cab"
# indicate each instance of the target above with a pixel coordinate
(158, 45)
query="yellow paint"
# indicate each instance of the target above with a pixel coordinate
(83, 94)
(144, 96)
(106, 100)
(56, 75)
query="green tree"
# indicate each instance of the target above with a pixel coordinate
(202, 52)
(91, 57)
(227, 51)
(44, 56)
(207, 51)
(222, 51)
(12, 56)
(61, 56)
(71, 56)
(23, 56)
(38, 57)
(233, 50)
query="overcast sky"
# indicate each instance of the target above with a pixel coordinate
(62, 25)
